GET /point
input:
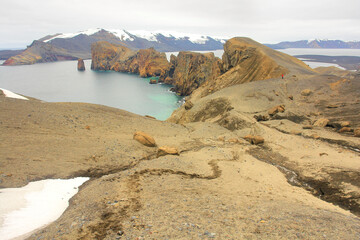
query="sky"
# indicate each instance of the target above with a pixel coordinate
(266, 21)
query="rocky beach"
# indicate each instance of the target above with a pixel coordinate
(250, 155)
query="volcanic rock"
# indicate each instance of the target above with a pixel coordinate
(357, 132)
(144, 139)
(81, 65)
(322, 122)
(165, 150)
(188, 105)
(254, 139)
(275, 110)
(189, 70)
(145, 62)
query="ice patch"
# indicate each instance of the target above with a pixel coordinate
(23, 210)
(12, 95)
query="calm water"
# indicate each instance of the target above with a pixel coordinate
(61, 82)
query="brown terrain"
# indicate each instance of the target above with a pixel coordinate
(270, 158)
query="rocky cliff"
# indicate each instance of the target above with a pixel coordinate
(39, 52)
(190, 70)
(146, 62)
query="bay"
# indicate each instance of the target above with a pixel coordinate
(62, 82)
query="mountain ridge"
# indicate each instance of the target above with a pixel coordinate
(316, 44)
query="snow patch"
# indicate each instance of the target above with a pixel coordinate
(71, 35)
(10, 94)
(23, 210)
(121, 34)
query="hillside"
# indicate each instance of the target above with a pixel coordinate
(257, 157)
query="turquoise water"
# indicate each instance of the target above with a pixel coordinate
(61, 82)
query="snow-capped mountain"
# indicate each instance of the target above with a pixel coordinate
(160, 40)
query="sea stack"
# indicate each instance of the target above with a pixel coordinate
(81, 65)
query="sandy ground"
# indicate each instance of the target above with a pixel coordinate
(300, 184)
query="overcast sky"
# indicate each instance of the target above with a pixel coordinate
(266, 21)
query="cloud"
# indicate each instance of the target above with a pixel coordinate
(22, 21)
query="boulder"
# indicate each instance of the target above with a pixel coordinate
(254, 139)
(357, 132)
(188, 105)
(322, 122)
(345, 124)
(306, 92)
(345, 129)
(275, 110)
(144, 139)
(261, 118)
(165, 150)
(80, 65)
(153, 81)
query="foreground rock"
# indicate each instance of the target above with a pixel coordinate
(144, 139)
(145, 62)
(166, 150)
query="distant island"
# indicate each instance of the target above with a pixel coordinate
(316, 44)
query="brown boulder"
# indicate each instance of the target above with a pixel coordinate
(306, 92)
(322, 122)
(165, 150)
(357, 132)
(153, 81)
(80, 65)
(144, 139)
(345, 124)
(188, 105)
(275, 110)
(254, 139)
(345, 129)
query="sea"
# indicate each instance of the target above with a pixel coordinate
(62, 82)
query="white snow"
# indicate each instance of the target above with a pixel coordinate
(121, 34)
(71, 35)
(23, 210)
(148, 35)
(12, 95)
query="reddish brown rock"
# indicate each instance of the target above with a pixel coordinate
(254, 139)
(322, 122)
(188, 105)
(345, 129)
(189, 70)
(145, 62)
(357, 132)
(275, 110)
(345, 124)
(165, 150)
(144, 139)
(80, 65)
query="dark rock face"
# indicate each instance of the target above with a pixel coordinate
(81, 65)
(146, 62)
(190, 70)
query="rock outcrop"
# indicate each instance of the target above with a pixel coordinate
(189, 70)
(145, 62)
(81, 65)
